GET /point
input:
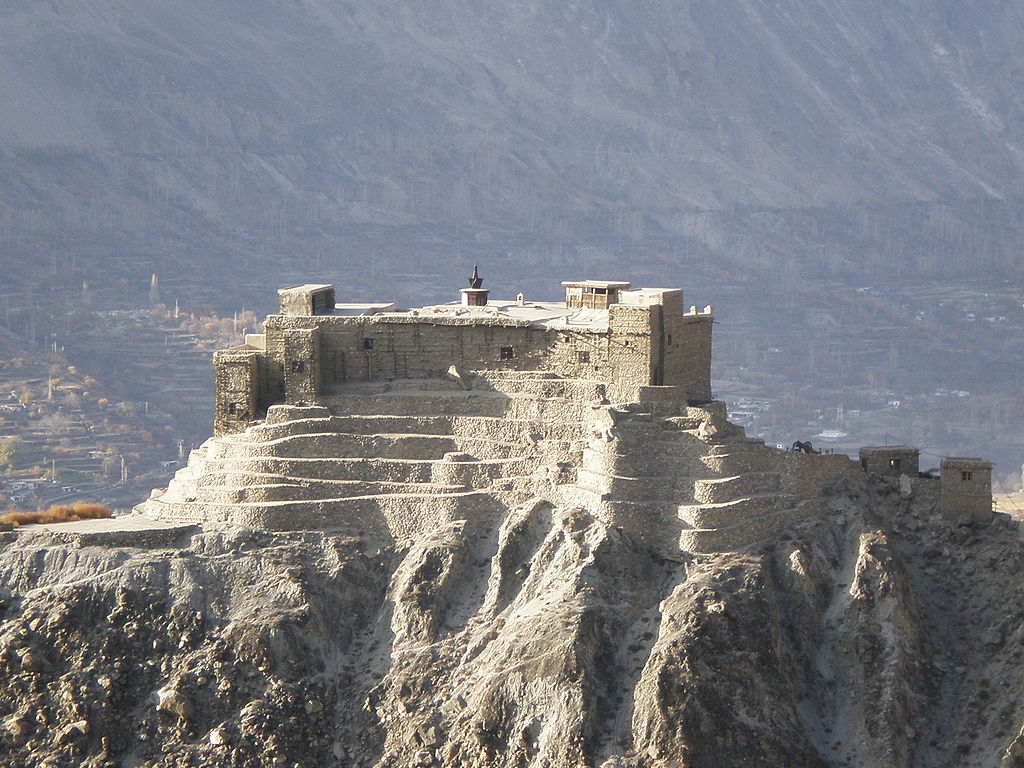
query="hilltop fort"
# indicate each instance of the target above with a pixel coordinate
(383, 422)
(507, 533)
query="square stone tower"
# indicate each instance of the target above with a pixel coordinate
(966, 490)
(303, 300)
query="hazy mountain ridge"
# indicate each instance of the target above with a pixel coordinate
(529, 116)
(773, 160)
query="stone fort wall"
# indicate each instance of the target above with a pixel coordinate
(299, 358)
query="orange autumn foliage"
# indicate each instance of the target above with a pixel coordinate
(58, 513)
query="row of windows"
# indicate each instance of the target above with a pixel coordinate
(504, 353)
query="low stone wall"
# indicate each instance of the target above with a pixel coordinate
(739, 458)
(731, 513)
(679, 489)
(807, 474)
(148, 538)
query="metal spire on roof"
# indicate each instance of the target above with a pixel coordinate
(475, 281)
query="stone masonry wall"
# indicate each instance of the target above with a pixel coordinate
(237, 378)
(807, 475)
(374, 349)
(300, 357)
(688, 356)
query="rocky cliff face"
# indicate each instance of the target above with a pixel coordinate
(869, 635)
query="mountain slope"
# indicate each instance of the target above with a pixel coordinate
(531, 117)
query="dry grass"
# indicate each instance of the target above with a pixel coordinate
(58, 513)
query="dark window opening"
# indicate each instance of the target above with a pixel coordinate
(966, 476)
(231, 408)
(894, 464)
(507, 353)
(583, 357)
(864, 464)
(298, 366)
(670, 339)
(367, 344)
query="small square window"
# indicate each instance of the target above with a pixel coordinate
(966, 476)
(583, 357)
(232, 408)
(507, 353)
(298, 366)
(367, 344)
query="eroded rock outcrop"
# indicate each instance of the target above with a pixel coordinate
(540, 636)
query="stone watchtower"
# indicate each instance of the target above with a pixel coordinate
(966, 490)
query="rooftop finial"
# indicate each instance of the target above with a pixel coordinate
(475, 281)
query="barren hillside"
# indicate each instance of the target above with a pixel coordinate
(867, 636)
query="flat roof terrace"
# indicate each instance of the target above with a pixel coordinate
(541, 314)
(553, 314)
(549, 315)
